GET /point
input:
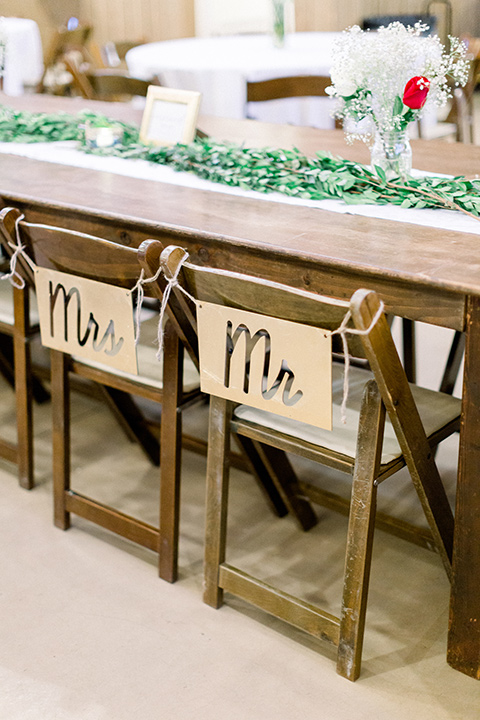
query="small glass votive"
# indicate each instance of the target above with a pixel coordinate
(102, 136)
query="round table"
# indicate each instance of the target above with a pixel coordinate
(23, 54)
(219, 68)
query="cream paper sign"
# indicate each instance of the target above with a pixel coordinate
(86, 318)
(270, 364)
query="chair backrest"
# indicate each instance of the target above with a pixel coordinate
(288, 87)
(113, 53)
(235, 290)
(280, 301)
(295, 86)
(67, 40)
(64, 43)
(462, 109)
(109, 85)
(94, 320)
(68, 251)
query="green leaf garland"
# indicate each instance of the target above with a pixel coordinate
(266, 170)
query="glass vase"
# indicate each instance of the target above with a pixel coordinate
(391, 152)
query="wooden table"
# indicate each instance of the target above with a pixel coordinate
(421, 273)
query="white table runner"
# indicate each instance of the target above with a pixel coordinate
(66, 153)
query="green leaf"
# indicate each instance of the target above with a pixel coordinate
(398, 105)
(381, 173)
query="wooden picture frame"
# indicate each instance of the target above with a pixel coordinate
(170, 116)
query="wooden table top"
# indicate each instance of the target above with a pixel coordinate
(401, 251)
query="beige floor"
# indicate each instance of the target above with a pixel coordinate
(89, 632)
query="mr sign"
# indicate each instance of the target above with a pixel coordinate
(270, 364)
(86, 318)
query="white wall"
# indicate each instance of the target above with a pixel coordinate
(224, 17)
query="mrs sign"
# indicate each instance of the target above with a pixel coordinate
(86, 318)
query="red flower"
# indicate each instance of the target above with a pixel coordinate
(416, 91)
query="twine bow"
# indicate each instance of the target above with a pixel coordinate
(171, 283)
(18, 249)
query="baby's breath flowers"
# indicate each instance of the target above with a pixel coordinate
(386, 79)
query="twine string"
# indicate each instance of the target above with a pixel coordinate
(171, 283)
(343, 330)
(18, 249)
(138, 288)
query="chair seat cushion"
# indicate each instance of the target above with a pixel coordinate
(150, 370)
(436, 410)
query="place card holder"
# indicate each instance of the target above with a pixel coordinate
(170, 116)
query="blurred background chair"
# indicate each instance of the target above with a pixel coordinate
(108, 84)
(113, 53)
(376, 21)
(296, 86)
(66, 44)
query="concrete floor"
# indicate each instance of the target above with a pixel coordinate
(89, 632)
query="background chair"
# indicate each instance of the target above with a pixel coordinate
(114, 53)
(459, 124)
(66, 44)
(380, 449)
(109, 85)
(289, 87)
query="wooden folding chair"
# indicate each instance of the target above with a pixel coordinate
(65, 44)
(109, 85)
(114, 53)
(172, 383)
(390, 424)
(289, 87)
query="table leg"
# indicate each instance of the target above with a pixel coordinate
(464, 632)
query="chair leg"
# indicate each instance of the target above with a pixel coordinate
(360, 533)
(24, 410)
(409, 351)
(133, 422)
(217, 497)
(453, 363)
(61, 437)
(259, 472)
(283, 476)
(170, 455)
(6, 360)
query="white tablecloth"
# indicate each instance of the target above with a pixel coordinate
(66, 153)
(24, 55)
(219, 68)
